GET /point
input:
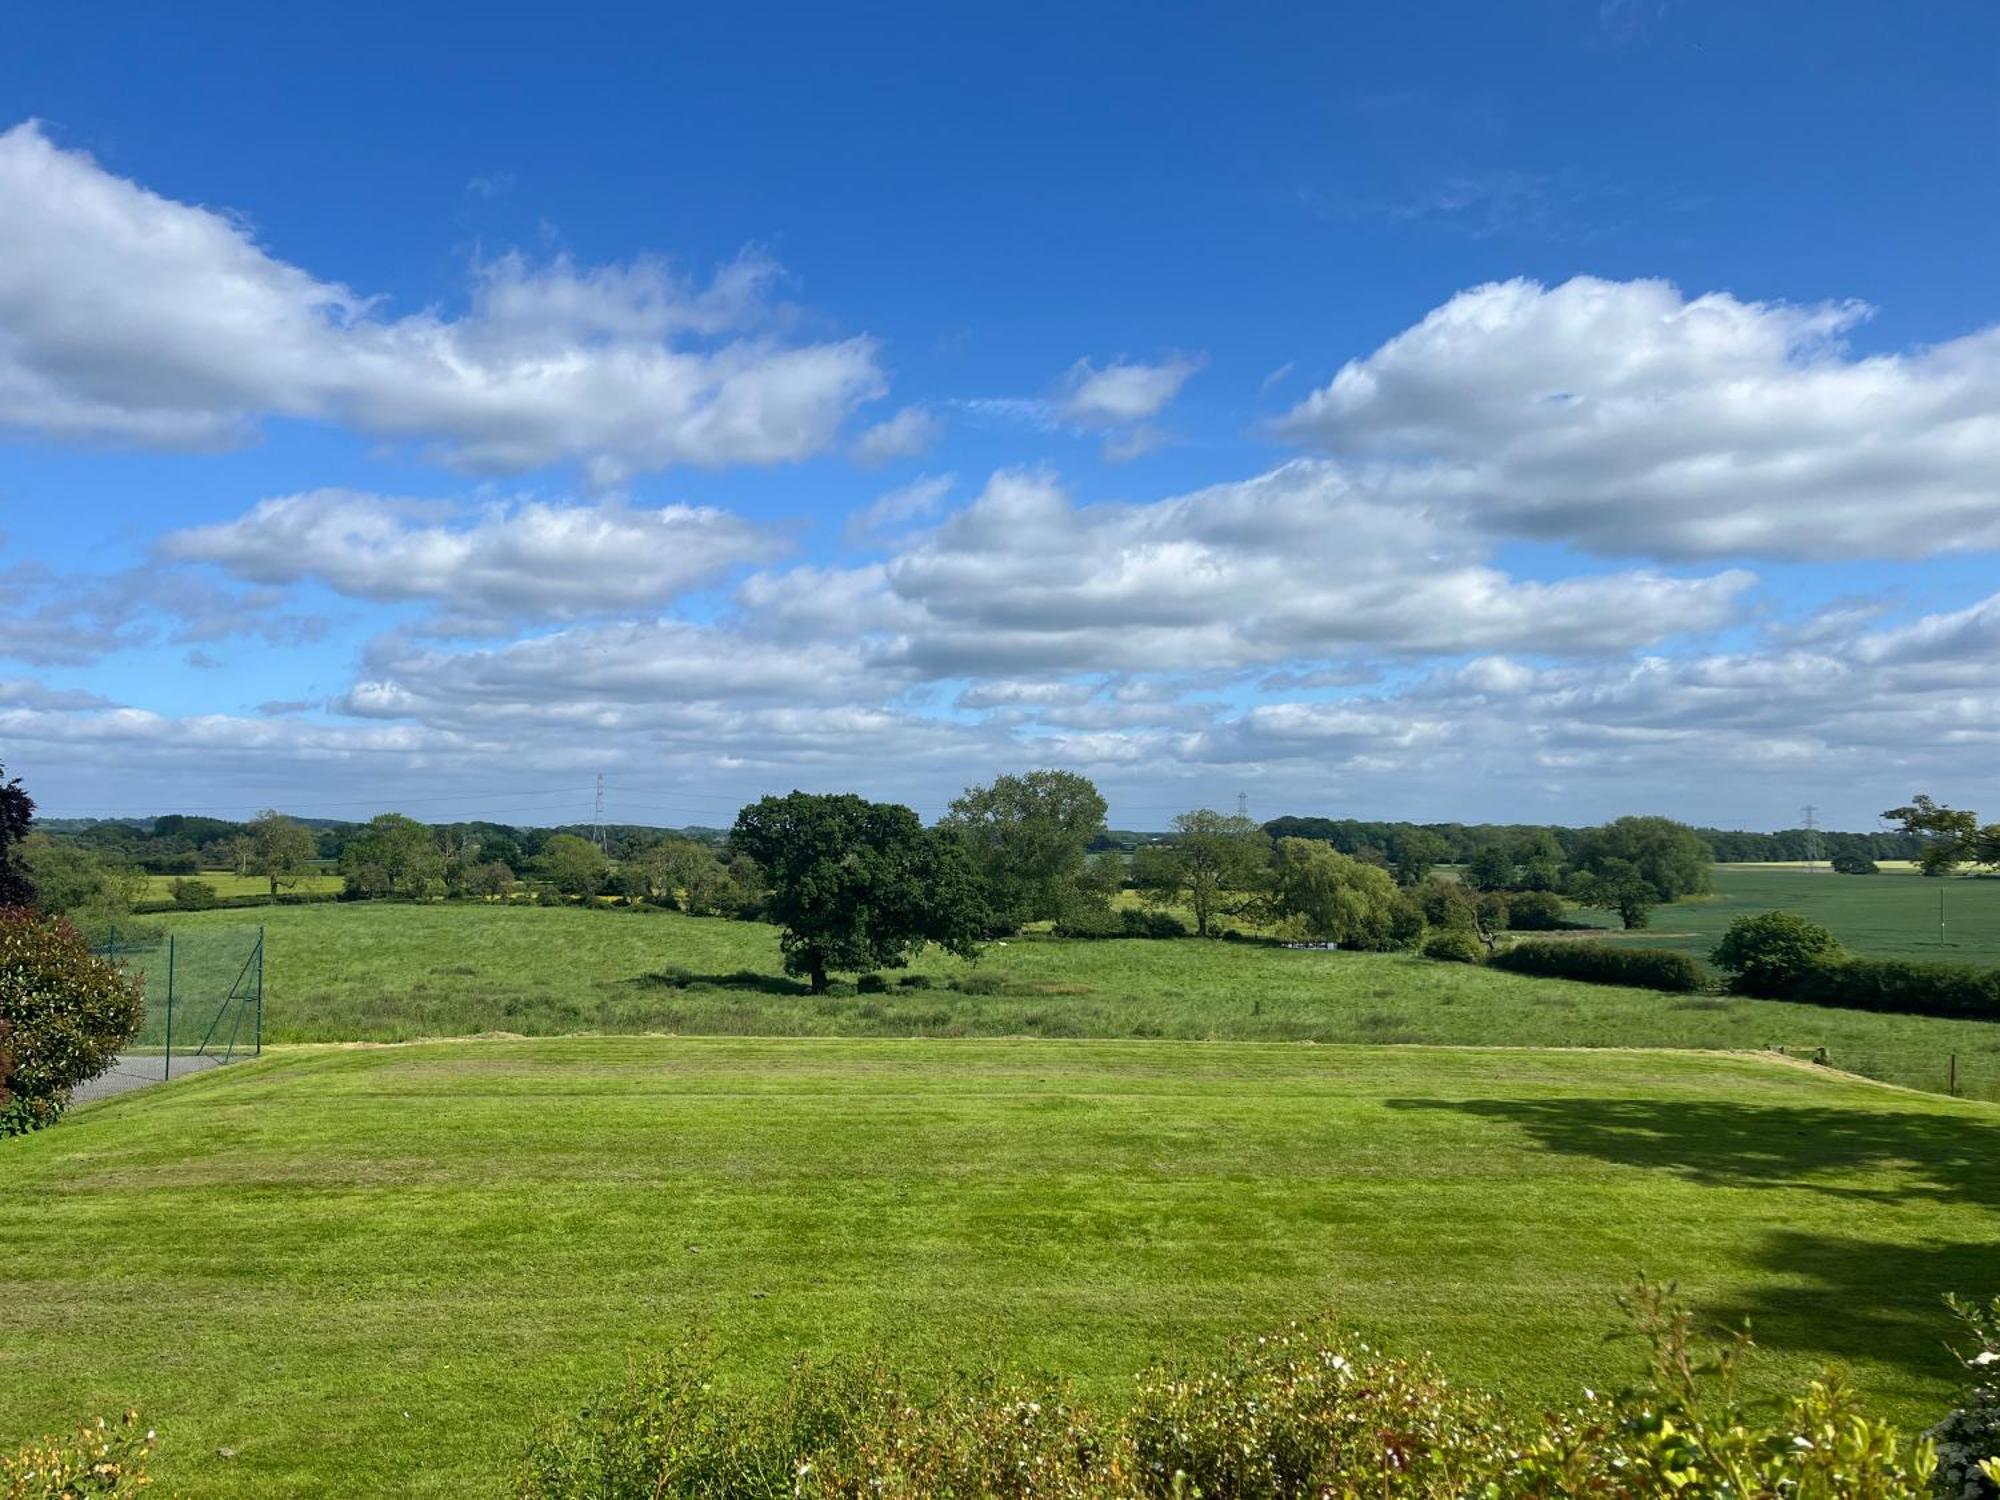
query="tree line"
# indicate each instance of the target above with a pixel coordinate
(1461, 843)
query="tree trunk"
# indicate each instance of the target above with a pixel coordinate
(818, 979)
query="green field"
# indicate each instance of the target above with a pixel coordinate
(1885, 916)
(229, 883)
(390, 972)
(360, 1269)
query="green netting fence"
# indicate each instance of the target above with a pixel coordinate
(204, 992)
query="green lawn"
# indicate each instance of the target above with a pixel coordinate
(1885, 916)
(360, 1269)
(385, 972)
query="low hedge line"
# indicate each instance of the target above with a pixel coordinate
(1900, 985)
(1604, 963)
(223, 903)
(1121, 924)
(1780, 955)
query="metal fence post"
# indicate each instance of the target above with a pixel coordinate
(167, 1070)
(260, 991)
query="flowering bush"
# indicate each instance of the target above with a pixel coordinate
(96, 1459)
(1968, 1441)
(64, 1014)
(1305, 1411)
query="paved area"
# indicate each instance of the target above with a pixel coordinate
(134, 1070)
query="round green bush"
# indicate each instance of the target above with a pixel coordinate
(1768, 954)
(64, 1013)
(1536, 911)
(194, 895)
(1455, 945)
(1091, 922)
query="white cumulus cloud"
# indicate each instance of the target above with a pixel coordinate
(128, 316)
(526, 561)
(1632, 420)
(908, 433)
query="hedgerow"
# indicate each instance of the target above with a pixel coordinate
(1902, 986)
(1603, 963)
(1101, 922)
(1781, 955)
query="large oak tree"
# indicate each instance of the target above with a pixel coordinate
(859, 885)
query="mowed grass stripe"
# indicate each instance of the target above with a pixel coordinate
(286, 1257)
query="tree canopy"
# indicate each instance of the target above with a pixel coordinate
(17, 812)
(1029, 837)
(393, 856)
(1952, 835)
(1617, 885)
(576, 865)
(1213, 862)
(282, 849)
(1325, 894)
(1417, 853)
(1669, 857)
(859, 885)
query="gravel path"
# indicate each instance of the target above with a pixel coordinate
(134, 1070)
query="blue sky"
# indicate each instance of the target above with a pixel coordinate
(1525, 411)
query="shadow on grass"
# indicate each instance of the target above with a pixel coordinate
(1943, 1158)
(740, 979)
(1829, 1296)
(1839, 1298)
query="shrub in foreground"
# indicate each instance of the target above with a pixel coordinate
(1304, 1411)
(95, 1459)
(1603, 963)
(64, 1013)
(1968, 1440)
